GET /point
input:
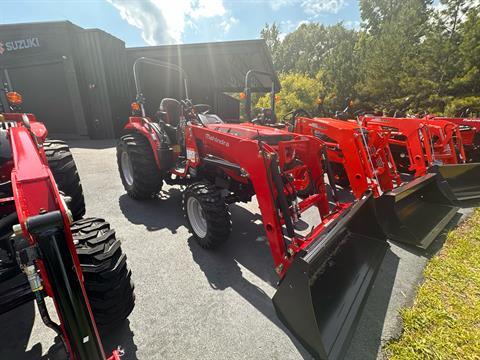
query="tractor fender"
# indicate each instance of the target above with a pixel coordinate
(139, 125)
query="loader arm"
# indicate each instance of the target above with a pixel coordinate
(44, 222)
(325, 276)
(367, 161)
(412, 136)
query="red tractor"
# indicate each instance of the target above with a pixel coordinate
(326, 274)
(420, 146)
(46, 248)
(414, 212)
(470, 130)
(360, 159)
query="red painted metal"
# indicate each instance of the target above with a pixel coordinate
(240, 146)
(470, 131)
(424, 143)
(35, 192)
(363, 155)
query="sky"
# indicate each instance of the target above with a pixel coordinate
(157, 22)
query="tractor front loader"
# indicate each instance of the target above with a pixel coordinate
(421, 147)
(45, 253)
(414, 212)
(325, 275)
(360, 159)
(470, 130)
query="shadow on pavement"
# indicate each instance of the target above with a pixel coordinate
(249, 247)
(120, 336)
(164, 212)
(92, 144)
(367, 339)
(16, 328)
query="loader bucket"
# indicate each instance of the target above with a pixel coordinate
(416, 212)
(321, 297)
(463, 180)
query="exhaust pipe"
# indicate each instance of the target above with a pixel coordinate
(321, 297)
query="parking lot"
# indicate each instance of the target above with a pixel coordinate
(196, 304)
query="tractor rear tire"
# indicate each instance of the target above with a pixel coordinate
(107, 279)
(138, 169)
(207, 214)
(64, 170)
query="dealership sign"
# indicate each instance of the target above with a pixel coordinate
(15, 45)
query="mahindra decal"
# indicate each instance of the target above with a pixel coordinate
(22, 44)
(217, 140)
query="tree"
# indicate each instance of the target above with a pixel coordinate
(271, 35)
(298, 92)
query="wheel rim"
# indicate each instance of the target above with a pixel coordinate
(197, 217)
(127, 169)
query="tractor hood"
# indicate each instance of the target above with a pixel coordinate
(267, 134)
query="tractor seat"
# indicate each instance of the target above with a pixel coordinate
(170, 111)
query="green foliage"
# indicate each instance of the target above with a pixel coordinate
(407, 55)
(443, 322)
(298, 92)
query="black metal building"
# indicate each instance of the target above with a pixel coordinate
(80, 81)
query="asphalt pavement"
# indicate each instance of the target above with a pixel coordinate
(198, 304)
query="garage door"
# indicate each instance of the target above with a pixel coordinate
(45, 93)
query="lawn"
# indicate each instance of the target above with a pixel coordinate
(444, 321)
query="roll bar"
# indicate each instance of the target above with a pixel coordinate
(162, 64)
(248, 91)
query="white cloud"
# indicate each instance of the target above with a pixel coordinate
(311, 7)
(162, 21)
(287, 26)
(317, 7)
(277, 4)
(227, 24)
(352, 24)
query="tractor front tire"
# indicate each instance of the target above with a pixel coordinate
(138, 169)
(107, 279)
(207, 214)
(64, 170)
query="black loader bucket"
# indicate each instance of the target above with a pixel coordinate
(463, 180)
(416, 212)
(323, 292)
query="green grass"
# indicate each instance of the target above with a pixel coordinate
(444, 321)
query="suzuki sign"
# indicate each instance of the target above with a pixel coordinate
(15, 45)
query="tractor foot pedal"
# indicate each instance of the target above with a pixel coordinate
(301, 225)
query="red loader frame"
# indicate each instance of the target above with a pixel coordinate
(47, 256)
(420, 144)
(364, 158)
(432, 146)
(470, 130)
(364, 153)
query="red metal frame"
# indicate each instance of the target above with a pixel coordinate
(367, 168)
(35, 192)
(426, 142)
(469, 132)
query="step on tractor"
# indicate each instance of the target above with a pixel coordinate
(47, 248)
(470, 130)
(325, 275)
(414, 144)
(414, 212)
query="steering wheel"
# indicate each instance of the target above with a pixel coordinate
(292, 115)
